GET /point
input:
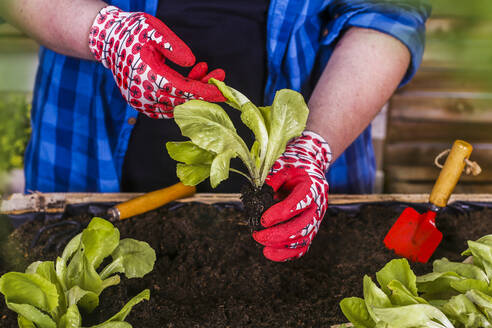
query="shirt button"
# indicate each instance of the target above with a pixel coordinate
(132, 120)
(325, 32)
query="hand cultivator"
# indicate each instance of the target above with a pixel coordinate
(61, 232)
(61, 237)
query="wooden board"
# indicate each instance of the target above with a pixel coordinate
(451, 80)
(14, 41)
(430, 174)
(423, 154)
(467, 107)
(56, 202)
(457, 8)
(418, 130)
(9, 30)
(421, 187)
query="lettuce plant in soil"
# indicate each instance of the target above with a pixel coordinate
(455, 294)
(50, 293)
(214, 141)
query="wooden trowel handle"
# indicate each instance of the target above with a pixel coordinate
(150, 201)
(450, 173)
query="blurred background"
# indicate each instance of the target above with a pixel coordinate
(449, 98)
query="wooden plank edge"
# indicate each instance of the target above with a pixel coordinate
(56, 202)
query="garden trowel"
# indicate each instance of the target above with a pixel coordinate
(414, 235)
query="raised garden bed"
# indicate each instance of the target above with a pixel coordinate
(210, 272)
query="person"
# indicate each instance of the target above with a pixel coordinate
(102, 60)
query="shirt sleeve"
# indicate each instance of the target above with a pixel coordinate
(402, 19)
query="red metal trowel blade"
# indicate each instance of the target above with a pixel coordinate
(414, 235)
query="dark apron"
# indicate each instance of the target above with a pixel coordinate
(227, 34)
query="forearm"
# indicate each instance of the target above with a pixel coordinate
(61, 25)
(362, 73)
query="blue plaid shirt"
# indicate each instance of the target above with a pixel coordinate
(80, 128)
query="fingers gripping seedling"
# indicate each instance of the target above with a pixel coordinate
(294, 173)
(299, 172)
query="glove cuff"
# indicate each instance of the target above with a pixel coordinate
(319, 149)
(98, 35)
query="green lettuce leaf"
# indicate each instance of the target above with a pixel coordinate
(99, 240)
(123, 313)
(437, 285)
(250, 114)
(191, 175)
(219, 170)
(355, 310)
(32, 314)
(288, 116)
(71, 248)
(24, 323)
(411, 316)
(46, 270)
(87, 300)
(465, 285)
(30, 289)
(209, 127)
(487, 240)
(132, 257)
(111, 281)
(266, 113)
(374, 297)
(197, 161)
(80, 272)
(235, 99)
(462, 310)
(189, 153)
(400, 295)
(71, 319)
(482, 301)
(61, 272)
(465, 270)
(483, 252)
(399, 270)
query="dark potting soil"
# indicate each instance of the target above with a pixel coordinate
(255, 203)
(210, 273)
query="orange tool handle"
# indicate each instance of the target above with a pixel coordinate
(450, 173)
(151, 201)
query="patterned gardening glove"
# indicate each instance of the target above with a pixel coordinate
(298, 179)
(134, 46)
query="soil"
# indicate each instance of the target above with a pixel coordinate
(255, 203)
(210, 273)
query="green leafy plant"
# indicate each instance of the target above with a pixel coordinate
(455, 294)
(15, 127)
(49, 294)
(214, 141)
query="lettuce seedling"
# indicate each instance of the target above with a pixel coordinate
(49, 294)
(455, 294)
(214, 140)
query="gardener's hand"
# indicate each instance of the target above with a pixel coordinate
(134, 46)
(298, 179)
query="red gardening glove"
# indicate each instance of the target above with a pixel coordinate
(298, 179)
(134, 46)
